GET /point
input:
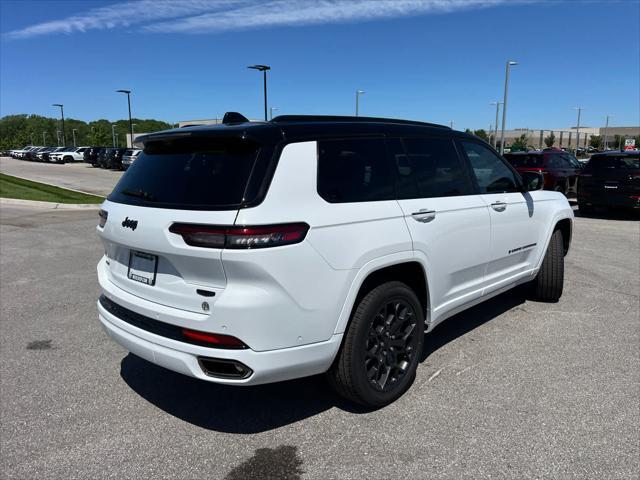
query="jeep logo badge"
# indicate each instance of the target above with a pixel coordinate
(128, 223)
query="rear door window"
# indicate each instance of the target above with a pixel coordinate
(354, 170)
(431, 168)
(198, 174)
(490, 171)
(525, 161)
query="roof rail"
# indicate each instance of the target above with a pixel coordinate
(345, 118)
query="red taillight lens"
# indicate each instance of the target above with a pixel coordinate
(102, 214)
(213, 339)
(240, 237)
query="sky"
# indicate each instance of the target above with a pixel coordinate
(430, 60)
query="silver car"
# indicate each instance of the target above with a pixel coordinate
(129, 157)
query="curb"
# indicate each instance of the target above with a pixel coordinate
(49, 205)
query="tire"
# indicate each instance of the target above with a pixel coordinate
(549, 282)
(67, 160)
(356, 373)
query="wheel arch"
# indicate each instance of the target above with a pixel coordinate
(409, 270)
(565, 226)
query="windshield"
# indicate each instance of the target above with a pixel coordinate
(621, 162)
(196, 174)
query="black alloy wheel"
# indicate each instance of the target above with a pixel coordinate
(391, 345)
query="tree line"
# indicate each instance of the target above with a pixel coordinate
(19, 130)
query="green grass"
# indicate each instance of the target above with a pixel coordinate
(13, 187)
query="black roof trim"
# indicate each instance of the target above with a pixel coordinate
(339, 118)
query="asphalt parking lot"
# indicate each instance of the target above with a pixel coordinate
(77, 176)
(509, 389)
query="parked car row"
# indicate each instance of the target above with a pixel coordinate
(111, 158)
(49, 154)
(103, 157)
(607, 179)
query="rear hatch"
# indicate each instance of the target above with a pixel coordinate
(176, 180)
(612, 174)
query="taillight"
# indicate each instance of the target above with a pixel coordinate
(213, 339)
(244, 237)
(102, 214)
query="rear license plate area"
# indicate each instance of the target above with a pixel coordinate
(143, 267)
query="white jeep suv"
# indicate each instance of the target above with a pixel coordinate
(254, 252)
(68, 155)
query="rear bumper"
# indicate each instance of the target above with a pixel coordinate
(609, 199)
(267, 367)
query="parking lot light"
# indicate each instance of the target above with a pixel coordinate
(73, 132)
(579, 109)
(263, 69)
(358, 93)
(113, 134)
(510, 64)
(606, 131)
(128, 92)
(64, 142)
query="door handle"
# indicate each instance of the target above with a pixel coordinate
(499, 206)
(423, 215)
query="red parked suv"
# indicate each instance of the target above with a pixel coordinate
(560, 169)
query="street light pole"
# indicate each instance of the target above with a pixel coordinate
(358, 93)
(64, 141)
(451, 124)
(510, 63)
(606, 131)
(44, 138)
(263, 69)
(495, 134)
(113, 134)
(271, 109)
(128, 92)
(578, 129)
(73, 132)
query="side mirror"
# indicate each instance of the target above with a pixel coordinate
(532, 181)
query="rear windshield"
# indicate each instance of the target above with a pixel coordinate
(622, 162)
(190, 174)
(525, 161)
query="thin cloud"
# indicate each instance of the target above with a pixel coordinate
(211, 16)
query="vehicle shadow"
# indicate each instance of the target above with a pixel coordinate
(246, 410)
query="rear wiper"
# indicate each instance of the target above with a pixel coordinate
(140, 194)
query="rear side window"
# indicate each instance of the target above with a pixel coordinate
(492, 175)
(430, 169)
(556, 162)
(197, 174)
(525, 161)
(354, 170)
